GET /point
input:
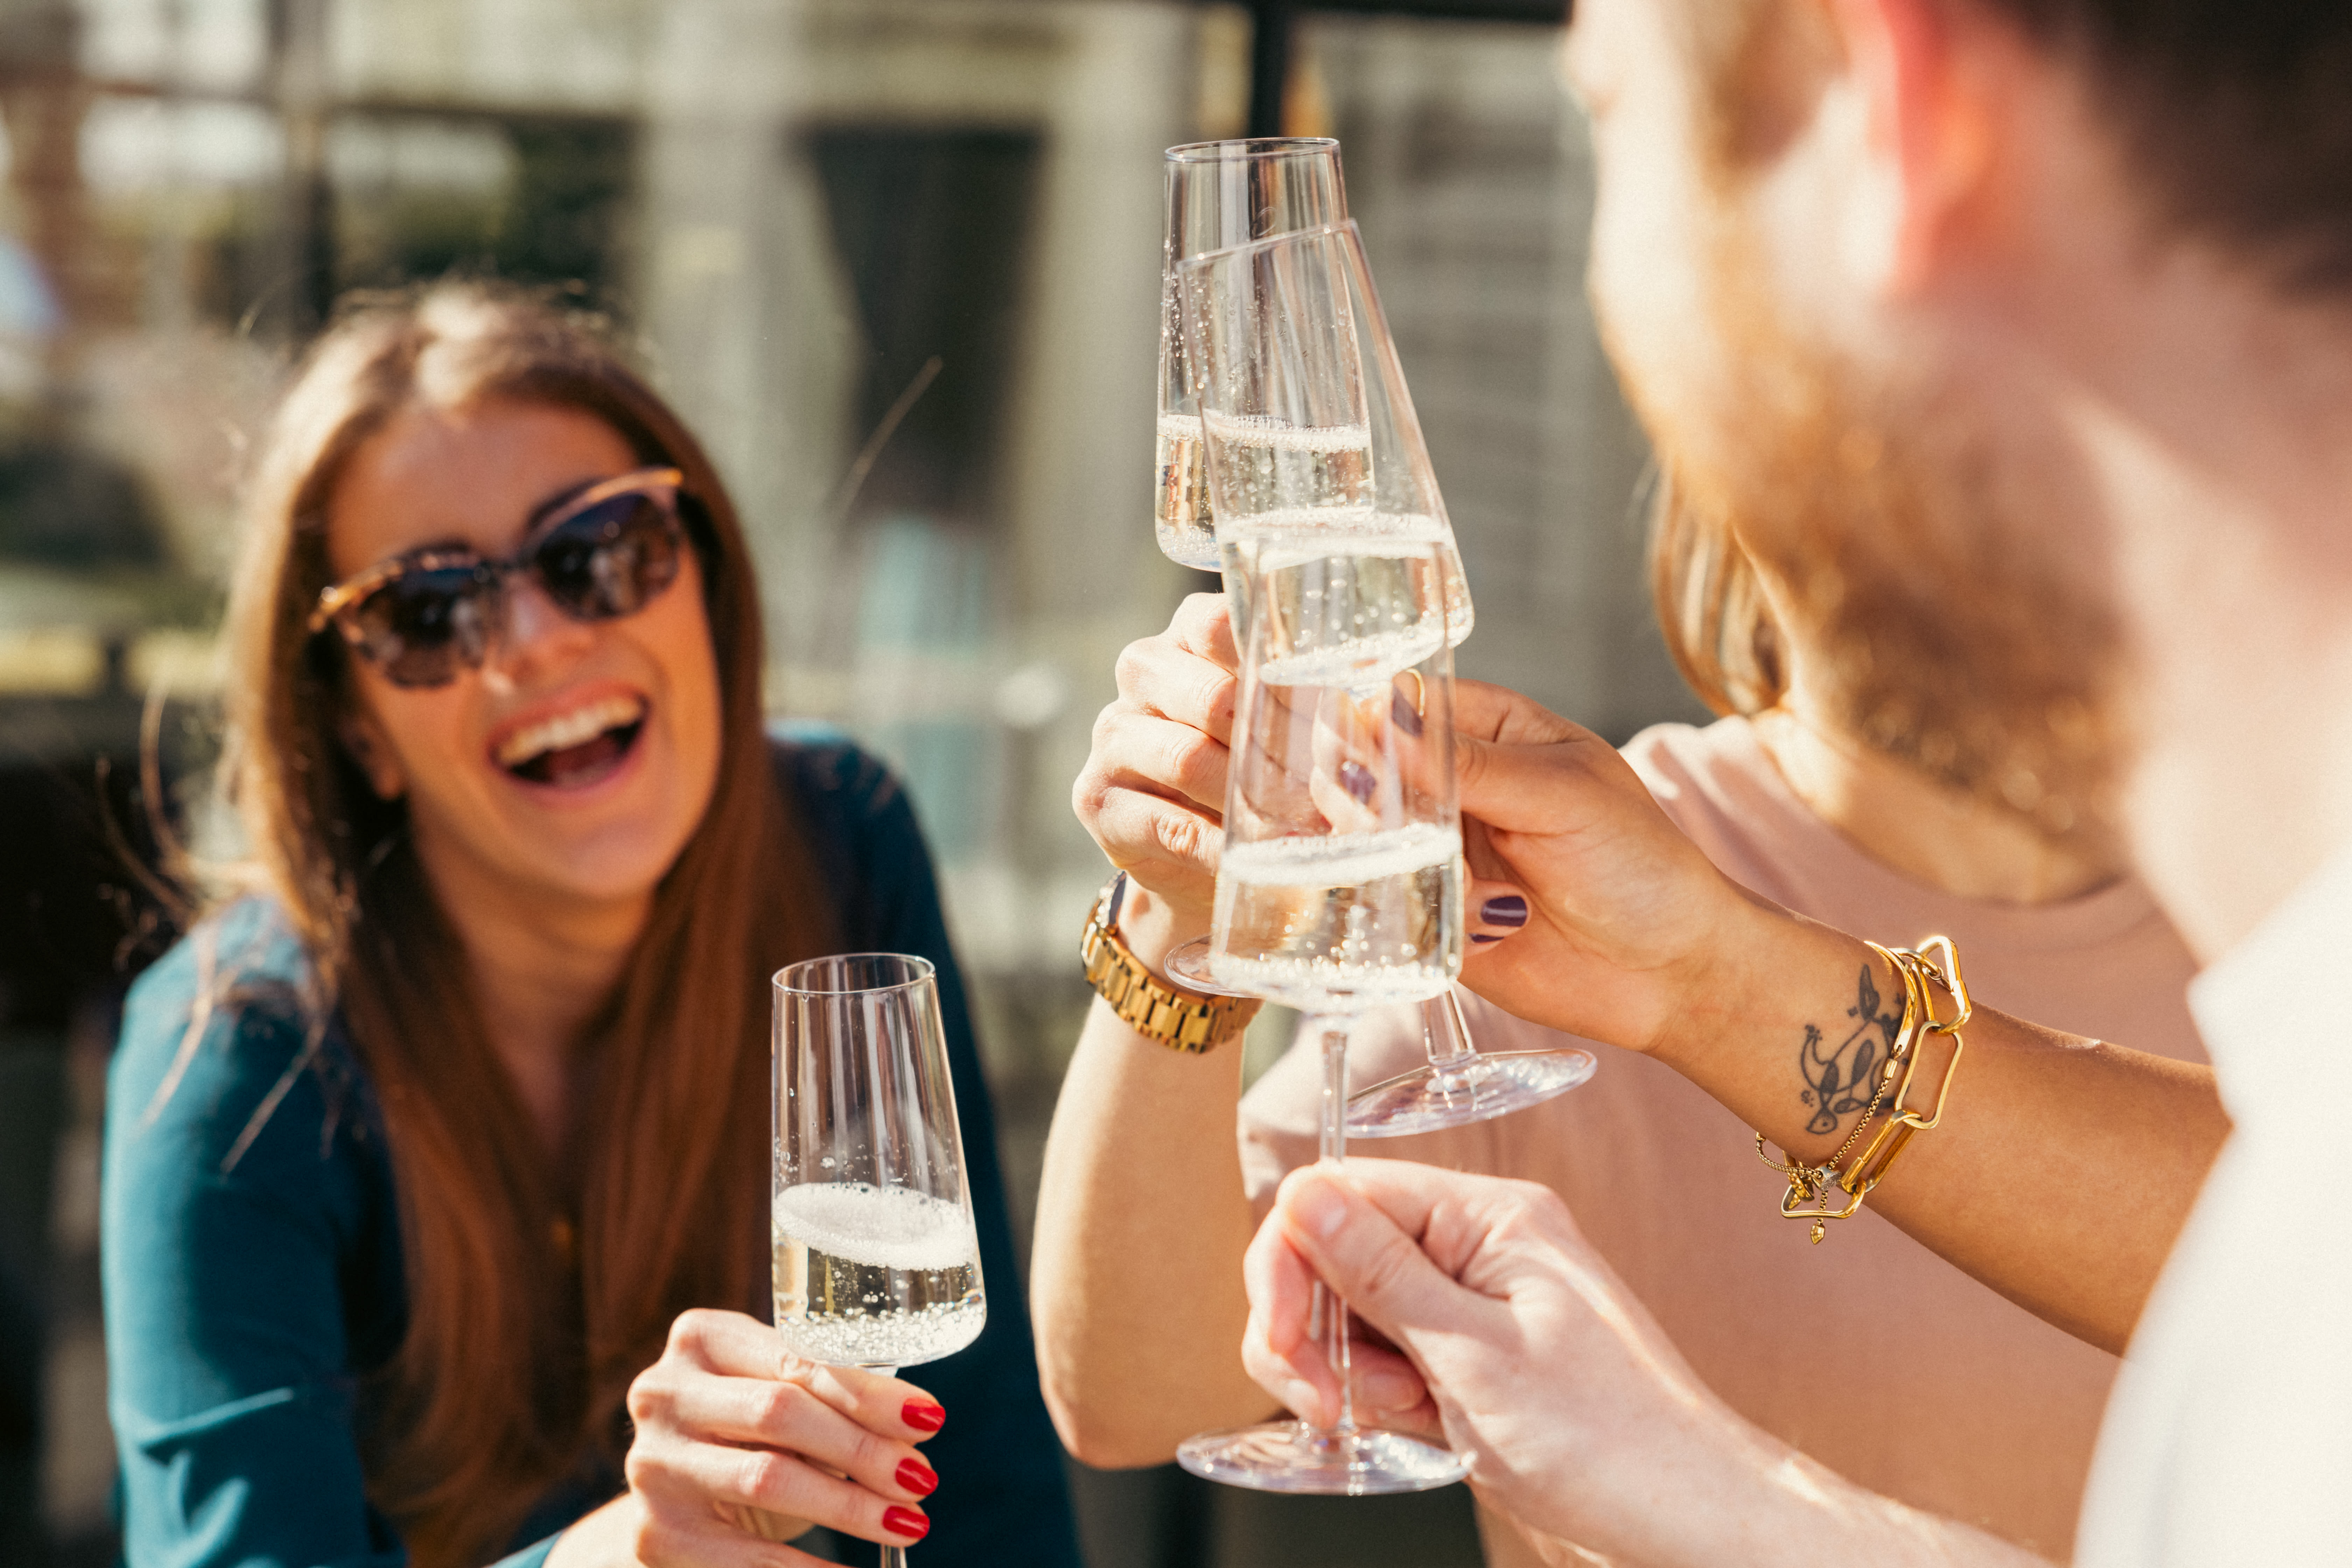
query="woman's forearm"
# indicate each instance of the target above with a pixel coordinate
(2063, 1168)
(1141, 1225)
(2061, 1171)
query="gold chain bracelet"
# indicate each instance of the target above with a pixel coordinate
(1810, 1186)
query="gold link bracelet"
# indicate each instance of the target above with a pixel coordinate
(1178, 1019)
(1807, 1195)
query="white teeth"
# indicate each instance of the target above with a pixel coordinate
(569, 729)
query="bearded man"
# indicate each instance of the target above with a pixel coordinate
(2013, 341)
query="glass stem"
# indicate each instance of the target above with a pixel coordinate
(892, 1556)
(1463, 1050)
(1327, 1307)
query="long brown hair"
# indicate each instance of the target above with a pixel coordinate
(526, 1318)
(1711, 607)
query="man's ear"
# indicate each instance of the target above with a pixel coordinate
(1930, 77)
(363, 741)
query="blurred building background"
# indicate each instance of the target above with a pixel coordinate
(806, 209)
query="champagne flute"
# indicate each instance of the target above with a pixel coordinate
(1305, 414)
(1223, 194)
(877, 1257)
(1312, 435)
(1340, 885)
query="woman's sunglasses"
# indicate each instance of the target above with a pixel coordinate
(422, 617)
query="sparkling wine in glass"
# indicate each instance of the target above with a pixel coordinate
(1340, 888)
(1305, 414)
(1313, 445)
(877, 1258)
(1223, 194)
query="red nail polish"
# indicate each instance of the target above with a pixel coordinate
(923, 1415)
(906, 1521)
(917, 1478)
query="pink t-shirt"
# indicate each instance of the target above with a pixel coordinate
(1867, 1352)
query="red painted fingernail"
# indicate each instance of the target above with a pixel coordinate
(917, 1478)
(923, 1415)
(906, 1521)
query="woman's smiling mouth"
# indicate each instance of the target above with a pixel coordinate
(576, 747)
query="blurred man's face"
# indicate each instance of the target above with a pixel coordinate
(1837, 420)
(1653, 219)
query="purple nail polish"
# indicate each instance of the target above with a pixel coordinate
(1402, 714)
(1510, 910)
(1480, 939)
(1358, 781)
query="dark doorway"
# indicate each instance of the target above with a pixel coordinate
(932, 226)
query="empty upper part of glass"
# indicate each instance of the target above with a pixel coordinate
(1219, 195)
(1306, 420)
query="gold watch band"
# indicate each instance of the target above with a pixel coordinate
(1176, 1019)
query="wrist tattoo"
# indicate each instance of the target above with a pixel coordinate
(1840, 1075)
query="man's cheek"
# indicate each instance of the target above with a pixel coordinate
(1673, 369)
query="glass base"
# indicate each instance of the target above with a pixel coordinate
(1292, 1456)
(1187, 963)
(1491, 1083)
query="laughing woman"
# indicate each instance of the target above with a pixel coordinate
(437, 1162)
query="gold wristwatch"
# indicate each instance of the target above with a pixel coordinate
(1177, 1019)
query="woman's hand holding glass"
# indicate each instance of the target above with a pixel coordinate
(1616, 912)
(1628, 926)
(738, 1440)
(1153, 790)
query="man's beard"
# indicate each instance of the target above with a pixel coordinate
(1941, 619)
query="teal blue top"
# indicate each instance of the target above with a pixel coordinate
(252, 1249)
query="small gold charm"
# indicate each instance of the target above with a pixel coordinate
(1818, 1230)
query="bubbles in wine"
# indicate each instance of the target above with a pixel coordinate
(1180, 515)
(868, 1276)
(1262, 430)
(1338, 923)
(1352, 604)
(1262, 465)
(1294, 536)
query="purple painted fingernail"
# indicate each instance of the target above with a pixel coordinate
(1358, 781)
(1401, 713)
(1510, 910)
(1481, 939)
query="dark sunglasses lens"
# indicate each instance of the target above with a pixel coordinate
(422, 628)
(612, 559)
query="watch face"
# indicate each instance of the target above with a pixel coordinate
(1117, 896)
